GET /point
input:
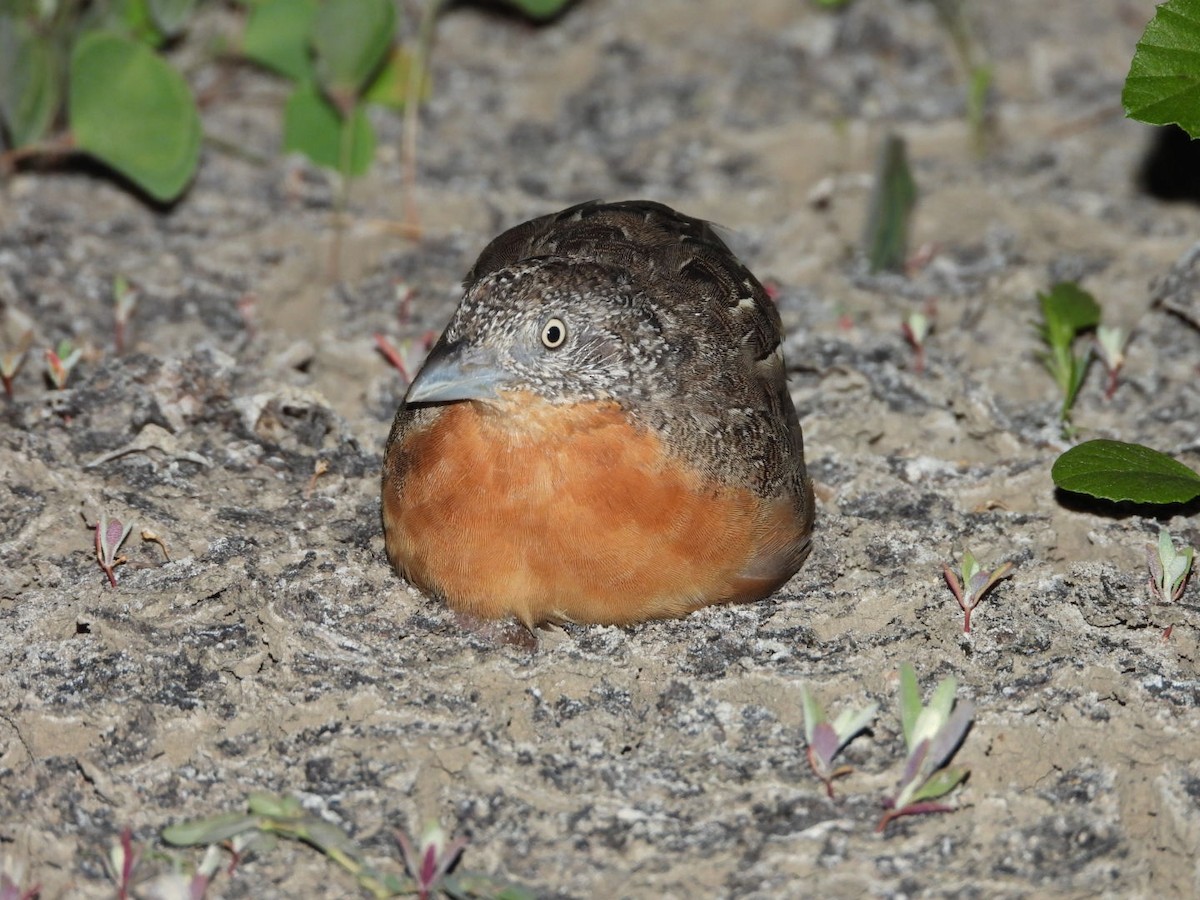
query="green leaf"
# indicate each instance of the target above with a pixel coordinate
(951, 733)
(327, 837)
(276, 37)
(29, 83)
(274, 807)
(350, 38)
(209, 831)
(538, 9)
(850, 722)
(390, 86)
(885, 239)
(942, 700)
(133, 112)
(970, 566)
(1069, 309)
(940, 783)
(313, 127)
(1113, 470)
(1163, 84)
(171, 15)
(813, 714)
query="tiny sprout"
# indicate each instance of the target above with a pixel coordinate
(825, 740)
(11, 362)
(406, 359)
(1111, 344)
(178, 885)
(61, 361)
(392, 355)
(121, 862)
(432, 860)
(1067, 310)
(916, 328)
(153, 538)
(270, 817)
(320, 467)
(125, 298)
(969, 590)
(1169, 568)
(932, 734)
(110, 535)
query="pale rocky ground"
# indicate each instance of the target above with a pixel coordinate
(278, 652)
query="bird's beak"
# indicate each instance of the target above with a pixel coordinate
(455, 371)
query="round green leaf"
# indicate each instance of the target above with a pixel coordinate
(277, 37)
(350, 38)
(1163, 85)
(313, 127)
(29, 84)
(1112, 470)
(1069, 305)
(133, 112)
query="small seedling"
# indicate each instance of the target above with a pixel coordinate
(1111, 344)
(11, 362)
(893, 197)
(1116, 471)
(121, 862)
(125, 298)
(178, 884)
(952, 15)
(932, 734)
(406, 359)
(1067, 310)
(320, 467)
(970, 587)
(60, 362)
(153, 538)
(270, 817)
(826, 739)
(110, 535)
(12, 873)
(393, 356)
(916, 328)
(430, 863)
(1169, 568)
(124, 859)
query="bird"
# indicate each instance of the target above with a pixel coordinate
(603, 432)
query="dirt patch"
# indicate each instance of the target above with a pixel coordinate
(276, 651)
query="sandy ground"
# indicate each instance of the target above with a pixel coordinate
(276, 650)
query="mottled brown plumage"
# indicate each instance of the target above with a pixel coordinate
(603, 433)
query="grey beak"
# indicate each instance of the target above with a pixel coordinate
(454, 371)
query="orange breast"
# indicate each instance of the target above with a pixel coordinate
(552, 513)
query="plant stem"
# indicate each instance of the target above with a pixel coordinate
(418, 72)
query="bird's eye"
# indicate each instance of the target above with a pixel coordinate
(554, 334)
